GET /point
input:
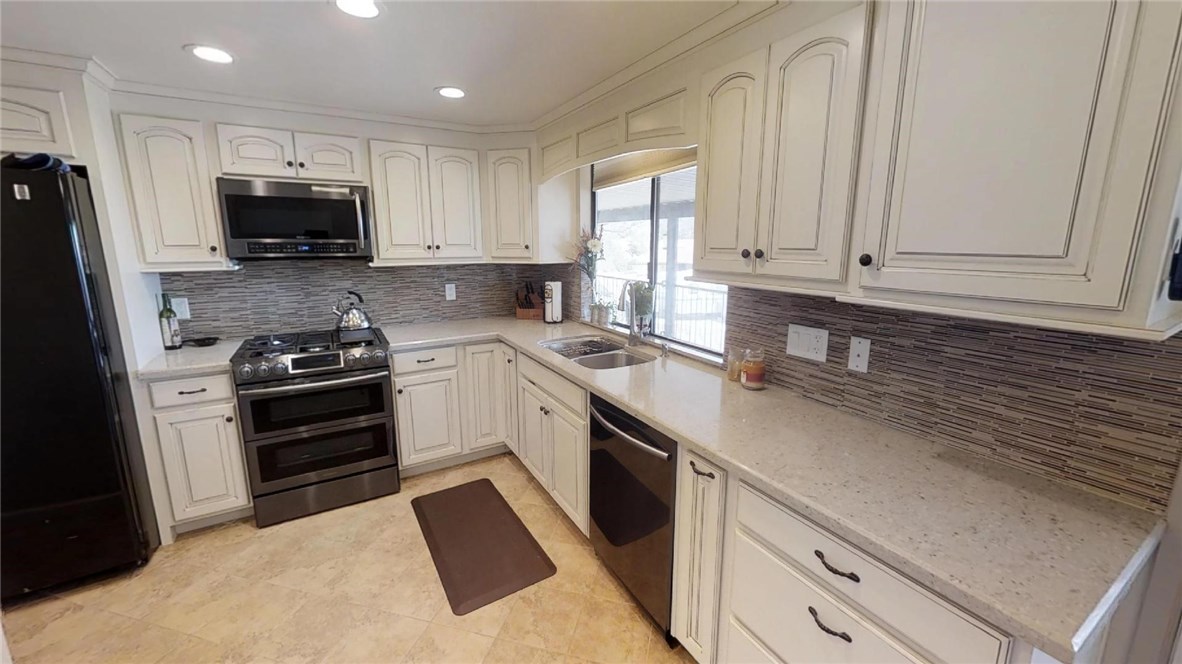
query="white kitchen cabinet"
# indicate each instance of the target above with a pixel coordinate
(256, 151)
(428, 414)
(34, 120)
(701, 490)
(797, 105)
(265, 152)
(570, 470)
(810, 150)
(202, 453)
(454, 176)
(325, 157)
(533, 425)
(168, 173)
(402, 201)
(731, 117)
(1027, 181)
(511, 221)
(488, 381)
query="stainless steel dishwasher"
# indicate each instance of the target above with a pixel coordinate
(633, 479)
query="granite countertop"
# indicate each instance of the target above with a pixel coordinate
(190, 361)
(1041, 561)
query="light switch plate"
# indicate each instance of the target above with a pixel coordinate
(449, 291)
(181, 306)
(811, 343)
(859, 354)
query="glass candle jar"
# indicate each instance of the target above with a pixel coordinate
(754, 371)
(734, 363)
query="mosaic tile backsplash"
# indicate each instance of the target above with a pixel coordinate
(273, 296)
(1096, 412)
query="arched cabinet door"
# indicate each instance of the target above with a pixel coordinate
(324, 157)
(810, 151)
(455, 202)
(168, 173)
(511, 222)
(731, 117)
(256, 151)
(402, 204)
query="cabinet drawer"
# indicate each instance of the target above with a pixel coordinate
(571, 395)
(423, 360)
(186, 391)
(789, 615)
(921, 618)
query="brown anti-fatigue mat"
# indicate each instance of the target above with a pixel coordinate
(481, 549)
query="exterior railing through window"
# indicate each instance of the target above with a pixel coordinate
(692, 314)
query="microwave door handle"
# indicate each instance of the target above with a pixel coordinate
(312, 386)
(360, 220)
(649, 449)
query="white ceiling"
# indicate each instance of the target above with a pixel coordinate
(516, 60)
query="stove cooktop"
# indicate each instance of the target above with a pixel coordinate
(292, 354)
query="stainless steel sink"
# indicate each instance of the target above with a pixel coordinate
(572, 347)
(613, 360)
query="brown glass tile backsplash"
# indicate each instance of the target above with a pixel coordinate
(1100, 413)
(272, 296)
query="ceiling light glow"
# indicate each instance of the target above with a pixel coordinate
(358, 8)
(210, 54)
(450, 92)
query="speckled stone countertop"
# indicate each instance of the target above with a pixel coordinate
(1037, 559)
(190, 361)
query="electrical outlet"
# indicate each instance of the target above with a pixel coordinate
(859, 354)
(181, 306)
(811, 343)
(449, 291)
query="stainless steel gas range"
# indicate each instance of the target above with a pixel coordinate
(317, 421)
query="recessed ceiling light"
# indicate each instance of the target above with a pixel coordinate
(358, 8)
(210, 54)
(450, 93)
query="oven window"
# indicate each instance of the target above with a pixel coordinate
(316, 407)
(321, 451)
(280, 218)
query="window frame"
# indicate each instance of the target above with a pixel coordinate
(654, 236)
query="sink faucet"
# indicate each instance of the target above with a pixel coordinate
(638, 324)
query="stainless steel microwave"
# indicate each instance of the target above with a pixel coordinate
(272, 219)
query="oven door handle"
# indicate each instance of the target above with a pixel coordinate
(649, 449)
(312, 386)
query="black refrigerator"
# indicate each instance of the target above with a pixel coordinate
(74, 497)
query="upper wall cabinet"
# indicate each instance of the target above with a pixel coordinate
(806, 123)
(168, 173)
(511, 221)
(728, 164)
(455, 202)
(263, 152)
(33, 120)
(1015, 144)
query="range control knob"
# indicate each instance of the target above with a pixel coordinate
(245, 371)
(379, 357)
(263, 370)
(350, 360)
(365, 358)
(279, 369)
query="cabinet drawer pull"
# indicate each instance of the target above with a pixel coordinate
(430, 359)
(199, 391)
(694, 467)
(841, 635)
(833, 570)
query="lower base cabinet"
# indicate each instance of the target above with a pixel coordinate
(428, 413)
(202, 453)
(697, 555)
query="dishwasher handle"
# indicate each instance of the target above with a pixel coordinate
(645, 447)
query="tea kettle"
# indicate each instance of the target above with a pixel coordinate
(351, 315)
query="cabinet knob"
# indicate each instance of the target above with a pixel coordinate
(509, 360)
(229, 418)
(213, 249)
(865, 260)
(436, 247)
(301, 164)
(428, 247)
(759, 253)
(290, 163)
(527, 247)
(400, 390)
(746, 253)
(541, 409)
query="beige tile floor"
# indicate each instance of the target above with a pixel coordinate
(352, 585)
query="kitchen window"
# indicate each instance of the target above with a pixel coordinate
(647, 226)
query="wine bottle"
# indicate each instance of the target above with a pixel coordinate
(170, 325)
